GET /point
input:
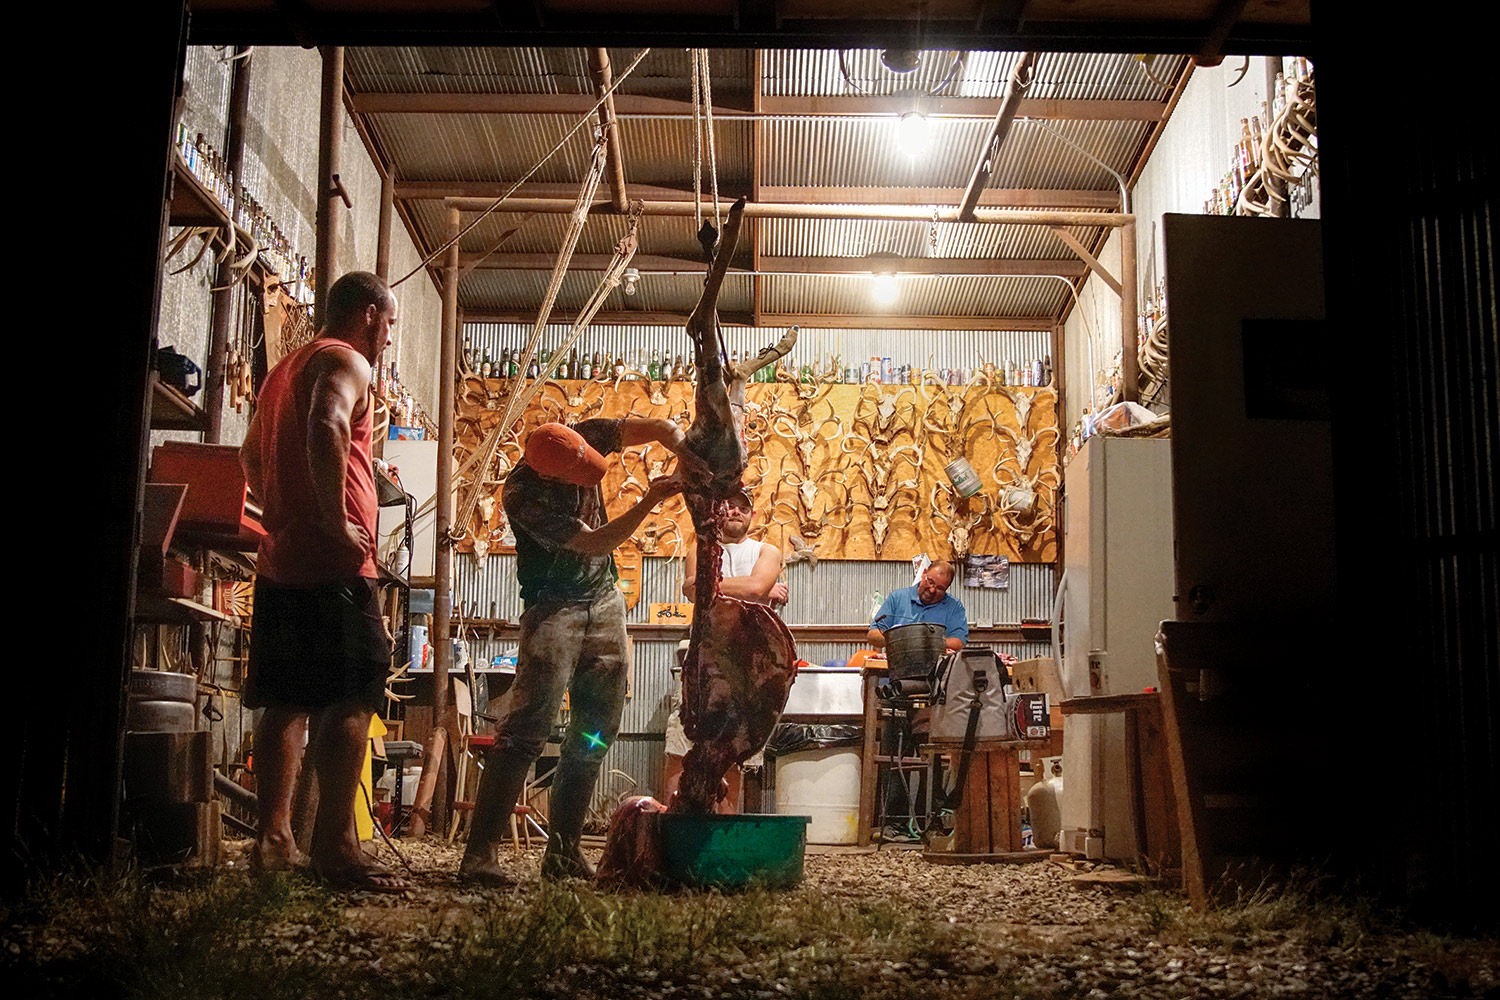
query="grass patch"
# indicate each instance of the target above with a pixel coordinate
(223, 936)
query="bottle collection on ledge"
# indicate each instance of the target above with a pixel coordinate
(654, 367)
(277, 255)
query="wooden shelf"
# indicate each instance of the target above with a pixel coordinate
(192, 205)
(153, 609)
(172, 411)
(388, 575)
(504, 628)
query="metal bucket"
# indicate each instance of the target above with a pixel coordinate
(912, 649)
(965, 480)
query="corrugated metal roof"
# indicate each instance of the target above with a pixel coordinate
(813, 72)
(670, 236)
(665, 72)
(481, 147)
(861, 152)
(920, 295)
(820, 153)
(466, 70)
(1057, 75)
(858, 237)
(480, 289)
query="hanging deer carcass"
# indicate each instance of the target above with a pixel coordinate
(741, 658)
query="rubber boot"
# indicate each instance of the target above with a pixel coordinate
(499, 786)
(571, 791)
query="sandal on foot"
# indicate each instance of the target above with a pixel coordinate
(369, 878)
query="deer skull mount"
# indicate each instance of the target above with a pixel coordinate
(960, 523)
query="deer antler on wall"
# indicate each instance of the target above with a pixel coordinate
(879, 415)
(805, 440)
(960, 525)
(945, 416)
(1026, 506)
(1025, 446)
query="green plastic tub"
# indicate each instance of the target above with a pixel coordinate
(732, 852)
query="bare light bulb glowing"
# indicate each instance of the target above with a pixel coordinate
(885, 290)
(914, 134)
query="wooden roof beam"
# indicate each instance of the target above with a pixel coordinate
(861, 321)
(1107, 200)
(663, 264)
(844, 105)
(896, 213)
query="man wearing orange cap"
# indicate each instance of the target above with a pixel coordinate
(572, 631)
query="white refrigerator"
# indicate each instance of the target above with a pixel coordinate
(1117, 587)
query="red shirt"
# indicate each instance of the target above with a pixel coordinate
(294, 553)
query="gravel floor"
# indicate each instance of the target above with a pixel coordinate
(951, 931)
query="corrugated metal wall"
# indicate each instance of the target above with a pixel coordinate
(832, 593)
(929, 349)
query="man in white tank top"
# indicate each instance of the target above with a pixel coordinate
(750, 567)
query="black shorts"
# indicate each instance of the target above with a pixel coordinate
(313, 646)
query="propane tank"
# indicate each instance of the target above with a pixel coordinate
(1044, 801)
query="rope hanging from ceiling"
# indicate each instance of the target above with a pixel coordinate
(703, 127)
(477, 467)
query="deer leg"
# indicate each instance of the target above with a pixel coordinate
(767, 356)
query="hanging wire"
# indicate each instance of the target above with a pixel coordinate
(1124, 191)
(609, 92)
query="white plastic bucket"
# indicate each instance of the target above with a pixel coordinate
(823, 784)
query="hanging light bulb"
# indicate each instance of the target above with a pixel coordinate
(913, 134)
(885, 291)
(631, 276)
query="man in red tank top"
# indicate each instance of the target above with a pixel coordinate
(319, 651)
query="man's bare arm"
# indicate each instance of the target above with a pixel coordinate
(341, 379)
(761, 580)
(641, 430)
(690, 573)
(606, 538)
(877, 639)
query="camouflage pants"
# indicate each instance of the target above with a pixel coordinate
(576, 647)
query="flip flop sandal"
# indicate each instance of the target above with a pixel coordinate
(367, 879)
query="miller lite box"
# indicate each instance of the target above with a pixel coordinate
(1033, 718)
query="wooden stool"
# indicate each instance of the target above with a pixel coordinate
(468, 763)
(987, 823)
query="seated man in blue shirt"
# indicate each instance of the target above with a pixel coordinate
(928, 601)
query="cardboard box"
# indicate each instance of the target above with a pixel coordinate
(1040, 675)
